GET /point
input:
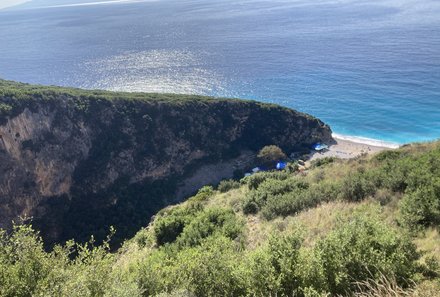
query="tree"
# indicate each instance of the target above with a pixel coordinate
(270, 154)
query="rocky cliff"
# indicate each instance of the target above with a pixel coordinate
(79, 161)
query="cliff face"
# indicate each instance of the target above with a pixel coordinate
(80, 161)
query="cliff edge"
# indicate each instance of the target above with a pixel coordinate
(80, 161)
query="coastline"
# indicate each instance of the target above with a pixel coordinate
(347, 147)
(367, 141)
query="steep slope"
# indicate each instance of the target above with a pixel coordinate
(365, 227)
(79, 161)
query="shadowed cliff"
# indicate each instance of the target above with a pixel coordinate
(80, 161)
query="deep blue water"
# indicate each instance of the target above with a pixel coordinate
(368, 68)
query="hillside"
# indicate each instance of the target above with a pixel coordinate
(78, 162)
(362, 227)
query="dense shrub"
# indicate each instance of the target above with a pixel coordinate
(26, 269)
(227, 185)
(364, 248)
(269, 155)
(310, 272)
(421, 207)
(254, 181)
(211, 264)
(167, 229)
(271, 270)
(325, 191)
(322, 162)
(209, 269)
(169, 225)
(203, 194)
(250, 206)
(356, 187)
(188, 225)
(23, 262)
(275, 197)
(212, 221)
(287, 204)
(389, 156)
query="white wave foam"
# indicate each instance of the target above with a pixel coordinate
(10, 3)
(98, 3)
(368, 141)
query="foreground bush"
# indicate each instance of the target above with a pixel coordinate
(208, 260)
(26, 269)
(362, 249)
(421, 207)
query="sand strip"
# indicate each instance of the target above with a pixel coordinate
(346, 149)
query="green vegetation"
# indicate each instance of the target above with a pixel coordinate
(17, 95)
(362, 227)
(269, 155)
(72, 270)
(227, 185)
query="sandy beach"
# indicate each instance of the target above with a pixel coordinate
(346, 149)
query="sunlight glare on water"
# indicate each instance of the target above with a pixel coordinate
(157, 71)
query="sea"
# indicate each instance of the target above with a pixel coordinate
(370, 69)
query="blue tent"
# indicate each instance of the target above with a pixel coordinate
(319, 146)
(281, 165)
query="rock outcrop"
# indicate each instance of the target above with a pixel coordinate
(79, 161)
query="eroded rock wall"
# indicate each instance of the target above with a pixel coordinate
(80, 163)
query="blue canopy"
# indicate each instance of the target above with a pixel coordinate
(281, 165)
(319, 146)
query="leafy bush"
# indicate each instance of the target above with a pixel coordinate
(212, 221)
(23, 262)
(210, 269)
(389, 155)
(254, 181)
(269, 155)
(284, 205)
(275, 197)
(203, 194)
(362, 249)
(310, 272)
(5, 108)
(167, 229)
(271, 270)
(188, 226)
(322, 162)
(227, 185)
(26, 269)
(356, 187)
(421, 207)
(169, 225)
(250, 206)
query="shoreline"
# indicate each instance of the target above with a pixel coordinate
(367, 141)
(347, 147)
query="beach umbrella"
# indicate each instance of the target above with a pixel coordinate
(281, 165)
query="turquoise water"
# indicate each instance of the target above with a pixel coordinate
(368, 68)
